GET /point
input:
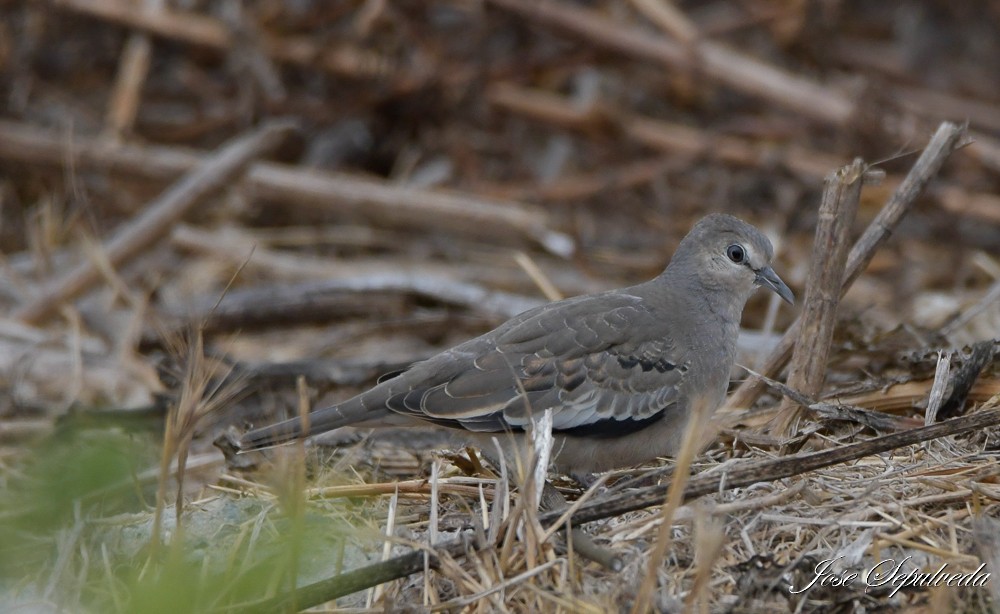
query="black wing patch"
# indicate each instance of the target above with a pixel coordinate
(661, 364)
(609, 428)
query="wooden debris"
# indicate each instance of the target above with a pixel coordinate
(143, 232)
(946, 140)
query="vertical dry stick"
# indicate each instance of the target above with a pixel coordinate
(432, 529)
(819, 314)
(154, 223)
(535, 273)
(693, 436)
(297, 497)
(124, 102)
(669, 18)
(375, 592)
(541, 442)
(946, 140)
(936, 397)
(180, 418)
(503, 494)
(709, 537)
(132, 71)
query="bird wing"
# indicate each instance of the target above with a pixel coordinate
(581, 358)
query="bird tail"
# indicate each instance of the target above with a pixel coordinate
(320, 421)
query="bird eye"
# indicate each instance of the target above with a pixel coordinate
(736, 253)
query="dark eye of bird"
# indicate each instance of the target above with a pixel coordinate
(736, 253)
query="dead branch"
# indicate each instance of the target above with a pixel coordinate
(406, 205)
(662, 135)
(948, 138)
(193, 28)
(745, 74)
(233, 244)
(319, 301)
(154, 223)
(819, 313)
(382, 201)
(878, 420)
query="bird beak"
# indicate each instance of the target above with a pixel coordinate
(767, 278)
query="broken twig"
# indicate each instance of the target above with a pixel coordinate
(819, 314)
(948, 138)
(154, 223)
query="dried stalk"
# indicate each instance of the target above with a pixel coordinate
(948, 138)
(384, 202)
(666, 136)
(318, 301)
(193, 28)
(748, 75)
(819, 314)
(154, 223)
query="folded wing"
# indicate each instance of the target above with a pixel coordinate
(581, 358)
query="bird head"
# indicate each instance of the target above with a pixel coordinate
(730, 254)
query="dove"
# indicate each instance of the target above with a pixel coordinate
(621, 371)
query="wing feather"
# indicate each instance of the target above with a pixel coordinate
(578, 358)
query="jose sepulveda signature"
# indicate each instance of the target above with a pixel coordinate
(891, 573)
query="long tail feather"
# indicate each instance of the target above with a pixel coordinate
(320, 421)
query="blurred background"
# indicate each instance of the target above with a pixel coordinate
(439, 140)
(454, 163)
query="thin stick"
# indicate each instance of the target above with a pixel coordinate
(671, 137)
(132, 71)
(390, 530)
(819, 313)
(383, 202)
(693, 434)
(946, 140)
(541, 279)
(318, 301)
(936, 396)
(734, 69)
(669, 18)
(580, 542)
(407, 205)
(154, 223)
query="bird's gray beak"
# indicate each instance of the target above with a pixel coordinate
(767, 278)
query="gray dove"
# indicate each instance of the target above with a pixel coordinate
(622, 371)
